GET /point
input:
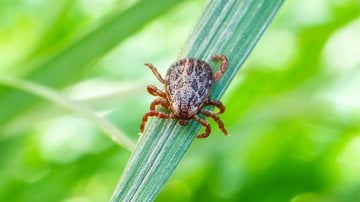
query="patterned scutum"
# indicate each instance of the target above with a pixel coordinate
(188, 84)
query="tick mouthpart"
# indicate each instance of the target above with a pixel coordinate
(183, 122)
(183, 118)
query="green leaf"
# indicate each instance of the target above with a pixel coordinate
(231, 28)
(42, 91)
(69, 64)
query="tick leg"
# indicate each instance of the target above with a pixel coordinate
(155, 91)
(216, 119)
(154, 113)
(217, 104)
(156, 73)
(207, 126)
(224, 65)
(159, 101)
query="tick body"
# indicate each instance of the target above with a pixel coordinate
(188, 83)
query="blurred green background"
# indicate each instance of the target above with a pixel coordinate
(293, 110)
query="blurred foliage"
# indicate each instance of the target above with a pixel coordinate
(293, 110)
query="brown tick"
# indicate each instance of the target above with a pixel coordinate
(188, 83)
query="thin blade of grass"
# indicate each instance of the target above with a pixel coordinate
(229, 27)
(51, 95)
(69, 64)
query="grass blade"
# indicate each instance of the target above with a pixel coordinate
(69, 64)
(110, 130)
(231, 28)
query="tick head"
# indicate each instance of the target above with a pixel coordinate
(183, 118)
(183, 122)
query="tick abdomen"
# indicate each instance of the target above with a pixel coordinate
(188, 84)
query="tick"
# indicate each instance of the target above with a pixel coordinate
(188, 83)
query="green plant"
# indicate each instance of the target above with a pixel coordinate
(231, 28)
(292, 110)
(68, 64)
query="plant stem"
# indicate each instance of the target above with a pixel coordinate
(69, 64)
(229, 27)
